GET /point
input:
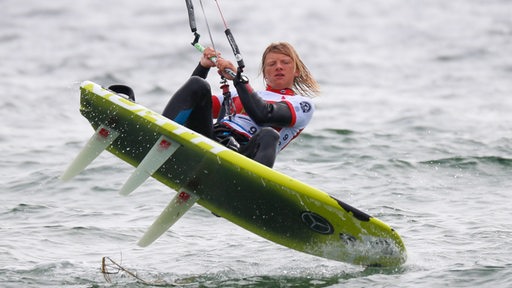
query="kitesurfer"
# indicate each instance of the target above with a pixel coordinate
(258, 124)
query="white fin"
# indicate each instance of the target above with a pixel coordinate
(102, 138)
(178, 206)
(156, 157)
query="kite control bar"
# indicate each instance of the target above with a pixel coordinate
(229, 35)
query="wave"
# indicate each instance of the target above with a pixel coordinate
(26, 208)
(470, 161)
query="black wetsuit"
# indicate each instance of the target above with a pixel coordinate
(191, 106)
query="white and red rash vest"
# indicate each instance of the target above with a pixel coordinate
(302, 109)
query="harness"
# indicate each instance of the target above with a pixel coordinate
(225, 133)
(229, 137)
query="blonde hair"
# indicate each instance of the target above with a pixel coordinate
(304, 84)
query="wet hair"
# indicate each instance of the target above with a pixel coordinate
(304, 84)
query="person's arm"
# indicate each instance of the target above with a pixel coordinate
(205, 63)
(201, 71)
(260, 111)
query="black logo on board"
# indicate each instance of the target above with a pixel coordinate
(317, 223)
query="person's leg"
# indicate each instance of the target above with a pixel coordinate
(191, 106)
(262, 147)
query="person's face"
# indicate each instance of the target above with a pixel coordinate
(279, 70)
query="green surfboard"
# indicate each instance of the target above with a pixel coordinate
(264, 201)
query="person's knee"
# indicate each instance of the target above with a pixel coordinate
(194, 94)
(266, 143)
(269, 134)
(199, 85)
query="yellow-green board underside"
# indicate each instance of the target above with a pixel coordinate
(253, 196)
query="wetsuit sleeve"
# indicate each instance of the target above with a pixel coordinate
(201, 71)
(261, 111)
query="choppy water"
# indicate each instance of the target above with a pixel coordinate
(413, 126)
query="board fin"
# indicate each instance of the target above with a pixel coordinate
(178, 206)
(102, 138)
(156, 157)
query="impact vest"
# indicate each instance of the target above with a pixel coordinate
(302, 111)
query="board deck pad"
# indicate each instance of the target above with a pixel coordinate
(257, 198)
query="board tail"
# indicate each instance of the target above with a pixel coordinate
(178, 206)
(102, 138)
(156, 157)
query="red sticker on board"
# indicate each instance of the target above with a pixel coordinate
(104, 132)
(184, 196)
(164, 144)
